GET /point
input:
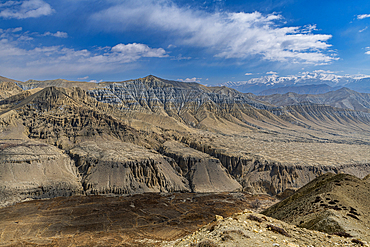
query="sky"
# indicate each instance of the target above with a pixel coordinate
(207, 41)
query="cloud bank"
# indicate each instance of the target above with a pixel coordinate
(223, 34)
(25, 9)
(51, 60)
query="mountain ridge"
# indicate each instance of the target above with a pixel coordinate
(341, 98)
(304, 89)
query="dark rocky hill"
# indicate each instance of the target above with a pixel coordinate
(330, 203)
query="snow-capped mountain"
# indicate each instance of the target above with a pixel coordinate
(357, 82)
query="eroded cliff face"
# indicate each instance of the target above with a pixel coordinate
(205, 173)
(124, 168)
(257, 174)
(30, 169)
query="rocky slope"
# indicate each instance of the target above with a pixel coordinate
(63, 117)
(8, 88)
(251, 229)
(330, 203)
(32, 84)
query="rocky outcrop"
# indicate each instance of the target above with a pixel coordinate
(123, 168)
(205, 173)
(251, 229)
(30, 169)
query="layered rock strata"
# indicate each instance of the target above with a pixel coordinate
(30, 169)
(124, 168)
(205, 173)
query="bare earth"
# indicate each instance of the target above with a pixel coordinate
(136, 220)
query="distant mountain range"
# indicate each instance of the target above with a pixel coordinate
(341, 98)
(305, 89)
(305, 83)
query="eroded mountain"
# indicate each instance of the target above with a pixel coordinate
(157, 135)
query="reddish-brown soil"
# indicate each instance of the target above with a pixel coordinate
(136, 220)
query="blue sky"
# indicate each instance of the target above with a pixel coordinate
(209, 41)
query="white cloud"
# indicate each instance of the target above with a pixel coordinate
(25, 9)
(194, 79)
(93, 81)
(180, 57)
(362, 30)
(135, 51)
(17, 29)
(368, 52)
(271, 73)
(248, 73)
(58, 34)
(360, 17)
(83, 78)
(223, 34)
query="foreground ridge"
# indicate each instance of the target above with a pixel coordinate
(252, 229)
(330, 203)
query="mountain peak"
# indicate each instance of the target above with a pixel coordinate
(151, 77)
